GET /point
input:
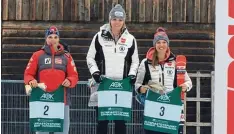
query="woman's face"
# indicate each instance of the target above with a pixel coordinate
(117, 24)
(161, 46)
(52, 39)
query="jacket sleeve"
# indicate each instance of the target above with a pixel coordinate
(135, 60)
(92, 65)
(31, 69)
(188, 82)
(140, 76)
(72, 74)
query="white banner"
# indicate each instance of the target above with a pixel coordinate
(154, 110)
(40, 109)
(224, 68)
(115, 99)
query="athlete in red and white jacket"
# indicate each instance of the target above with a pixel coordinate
(53, 66)
(159, 66)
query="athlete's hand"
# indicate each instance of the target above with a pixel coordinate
(184, 87)
(132, 79)
(66, 83)
(97, 76)
(161, 92)
(143, 89)
(33, 83)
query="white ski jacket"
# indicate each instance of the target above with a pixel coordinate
(164, 73)
(115, 60)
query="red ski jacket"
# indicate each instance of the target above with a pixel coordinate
(51, 68)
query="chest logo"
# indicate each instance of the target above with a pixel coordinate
(169, 72)
(47, 60)
(121, 48)
(123, 40)
(169, 64)
(58, 61)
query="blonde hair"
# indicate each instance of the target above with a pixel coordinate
(155, 58)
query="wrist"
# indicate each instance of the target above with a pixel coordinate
(143, 89)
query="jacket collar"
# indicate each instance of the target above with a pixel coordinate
(50, 50)
(106, 31)
(169, 55)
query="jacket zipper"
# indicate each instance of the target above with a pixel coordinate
(115, 42)
(52, 53)
(162, 67)
(115, 45)
(52, 61)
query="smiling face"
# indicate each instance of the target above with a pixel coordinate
(161, 46)
(116, 24)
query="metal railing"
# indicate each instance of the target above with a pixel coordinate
(198, 100)
(15, 109)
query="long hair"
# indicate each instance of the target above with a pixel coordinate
(155, 58)
(123, 27)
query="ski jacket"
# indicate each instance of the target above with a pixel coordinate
(51, 68)
(163, 73)
(115, 60)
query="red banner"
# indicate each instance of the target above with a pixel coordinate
(231, 8)
(230, 85)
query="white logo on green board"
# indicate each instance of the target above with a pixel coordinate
(116, 85)
(47, 97)
(164, 98)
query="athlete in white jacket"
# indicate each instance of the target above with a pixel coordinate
(116, 58)
(159, 67)
(113, 53)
